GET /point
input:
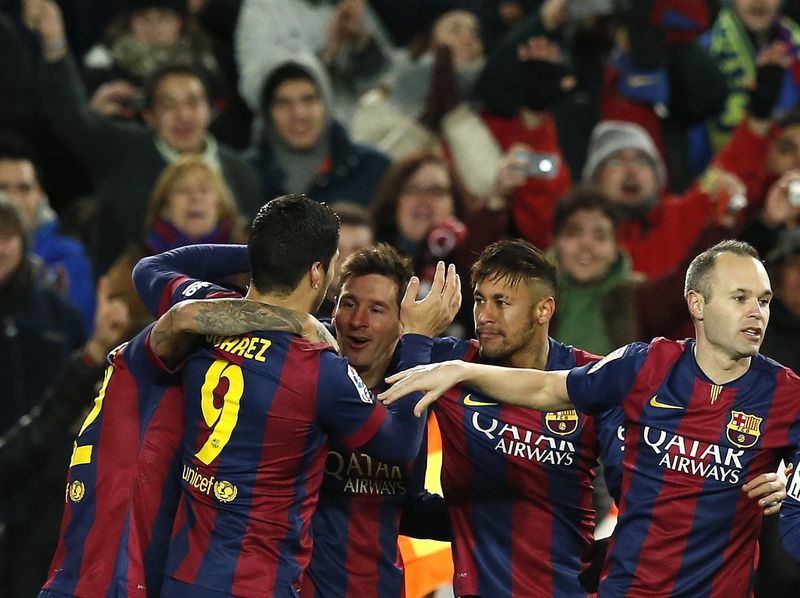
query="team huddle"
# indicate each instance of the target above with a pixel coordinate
(235, 448)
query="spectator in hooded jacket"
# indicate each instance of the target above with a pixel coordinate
(302, 148)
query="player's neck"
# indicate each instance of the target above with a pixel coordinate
(717, 365)
(534, 356)
(300, 299)
(374, 373)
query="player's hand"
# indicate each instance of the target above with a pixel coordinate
(769, 489)
(433, 314)
(595, 555)
(434, 380)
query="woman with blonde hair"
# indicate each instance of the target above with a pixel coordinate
(190, 203)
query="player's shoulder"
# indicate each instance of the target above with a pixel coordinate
(563, 356)
(449, 347)
(772, 368)
(632, 354)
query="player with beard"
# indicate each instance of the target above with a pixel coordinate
(364, 503)
(259, 409)
(518, 488)
(704, 418)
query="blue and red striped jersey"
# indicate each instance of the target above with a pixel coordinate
(789, 526)
(259, 410)
(685, 527)
(518, 485)
(357, 520)
(101, 470)
(110, 544)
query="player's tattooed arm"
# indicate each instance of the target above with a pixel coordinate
(177, 331)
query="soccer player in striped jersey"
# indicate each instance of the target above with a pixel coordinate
(136, 416)
(363, 500)
(518, 488)
(259, 409)
(704, 419)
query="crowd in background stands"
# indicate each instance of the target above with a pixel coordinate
(622, 136)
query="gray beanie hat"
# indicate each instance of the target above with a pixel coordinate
(610, 136)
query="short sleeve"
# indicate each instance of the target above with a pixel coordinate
(346, 408)
(603, 385)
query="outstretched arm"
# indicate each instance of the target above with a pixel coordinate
(543, 391)
(157, 276)
(175, 333)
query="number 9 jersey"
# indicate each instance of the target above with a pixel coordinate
(259, 409)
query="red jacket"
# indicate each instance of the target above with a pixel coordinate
(533, 203)
(660, 243)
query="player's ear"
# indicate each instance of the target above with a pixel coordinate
(316, 275)
(545, 309)
(696, 303)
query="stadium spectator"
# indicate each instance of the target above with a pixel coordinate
(656, 228)
(40, 330)
(355, 232)
(347, 36)
(426, 102)
(144, 36)
(421, 209)
(302, 147)
(124, 160)
(64, 259)
(189, 204)
(756, 48)
(602, 303)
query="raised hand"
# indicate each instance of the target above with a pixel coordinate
(114, 99)
(781, 205)
(433, 314)
(44, 18)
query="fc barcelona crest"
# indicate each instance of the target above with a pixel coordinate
(744, 429)
(562, 422)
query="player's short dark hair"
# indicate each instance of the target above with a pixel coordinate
(582, 197)
(382, 259)
(288, 72)
(288, 235)
(169, 70)
(698, 274)
(517, 261)
(14, 148)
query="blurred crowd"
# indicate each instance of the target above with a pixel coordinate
(622, 136)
